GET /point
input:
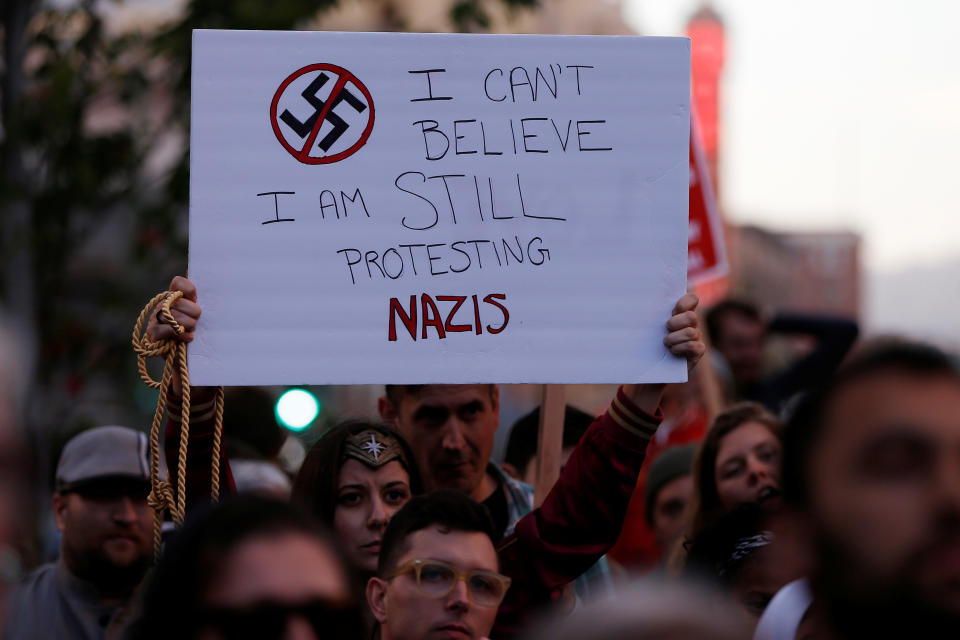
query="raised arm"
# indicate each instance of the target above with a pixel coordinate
(834, 337)
(581, 517)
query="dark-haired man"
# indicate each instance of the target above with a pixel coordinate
(739, 332)
(438, 575)
(101, 510)
(871, 475)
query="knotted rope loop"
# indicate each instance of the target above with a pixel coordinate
(146, 348)
(174, 353)
(160, 499)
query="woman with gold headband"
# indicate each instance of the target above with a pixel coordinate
(354, 479)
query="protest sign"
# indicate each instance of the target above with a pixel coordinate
(707, 256)
(423, 208)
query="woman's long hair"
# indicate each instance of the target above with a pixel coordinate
(705, 506)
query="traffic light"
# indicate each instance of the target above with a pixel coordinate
(296, 409)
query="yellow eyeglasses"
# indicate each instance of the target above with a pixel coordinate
(437, 578)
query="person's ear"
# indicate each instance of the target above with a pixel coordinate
(495, 401)
(387, 411)
(377, 598)
(59, 510)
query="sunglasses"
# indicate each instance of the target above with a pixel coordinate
(437, 579)
(106, 490)
(268, 620)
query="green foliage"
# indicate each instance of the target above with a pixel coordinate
(467, 14)
(470, 15)
(74, 173)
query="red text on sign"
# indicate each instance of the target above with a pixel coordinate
(426, 314)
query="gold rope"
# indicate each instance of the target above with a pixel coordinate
(174, 353)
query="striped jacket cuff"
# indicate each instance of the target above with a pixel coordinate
(202, 407)
(632, 418)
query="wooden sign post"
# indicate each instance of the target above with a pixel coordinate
(550, 442)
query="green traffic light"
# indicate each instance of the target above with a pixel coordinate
(296, 409)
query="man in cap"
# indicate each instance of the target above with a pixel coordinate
(100, 507)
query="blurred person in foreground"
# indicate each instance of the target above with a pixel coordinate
(871, 480)
(651, 610)
(438, 575)
(14, 472)
(739, 332)
(100, 508)
(250, 567)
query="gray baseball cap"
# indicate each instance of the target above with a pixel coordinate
(104, 452)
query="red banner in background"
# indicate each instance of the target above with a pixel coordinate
(707, 265)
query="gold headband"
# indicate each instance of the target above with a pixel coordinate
(373, 449)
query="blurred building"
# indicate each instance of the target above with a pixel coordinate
(812, 272)
(706, 32)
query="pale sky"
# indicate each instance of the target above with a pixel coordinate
(839, 114)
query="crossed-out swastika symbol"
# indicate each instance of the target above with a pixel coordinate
(306, 148)
(340, 125)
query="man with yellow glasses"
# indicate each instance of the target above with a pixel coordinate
(438, 574)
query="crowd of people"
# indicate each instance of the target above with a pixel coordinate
(822, 500)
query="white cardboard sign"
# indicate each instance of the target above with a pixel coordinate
(374, 208)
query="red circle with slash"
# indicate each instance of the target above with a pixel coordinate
(343, 77)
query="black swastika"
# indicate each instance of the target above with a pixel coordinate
(287, 127)
(303, 129)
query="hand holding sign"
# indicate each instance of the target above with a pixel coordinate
(685, 339)
(185, 311)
